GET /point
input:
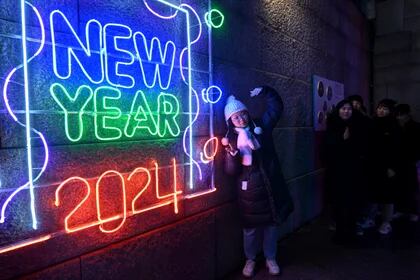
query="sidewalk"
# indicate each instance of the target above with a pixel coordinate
(309, 254)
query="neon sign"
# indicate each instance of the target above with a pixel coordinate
(112, 84)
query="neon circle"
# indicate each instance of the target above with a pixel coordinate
(215, 146)
(205, 94)
(208, 17)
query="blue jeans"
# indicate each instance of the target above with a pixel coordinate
(266, 236)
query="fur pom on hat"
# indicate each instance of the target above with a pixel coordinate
(233, 106)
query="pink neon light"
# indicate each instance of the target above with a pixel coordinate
(24, 243)
(205, 158)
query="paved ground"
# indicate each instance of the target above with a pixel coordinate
(309, 254)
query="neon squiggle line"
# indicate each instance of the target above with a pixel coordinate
(181, 56)
(157, 14)
(10, 111)
(199, 23)
(181, 65)
(191, 90)
(189, 127)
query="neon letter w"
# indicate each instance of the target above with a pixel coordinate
(155, 63)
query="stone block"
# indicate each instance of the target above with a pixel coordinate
(393, 42)
(296, 96)
(295, 149)
(229, 248)
(69, 270)
(307, 193)
(390, 60)
(412, 23)
(411, 8)
(390, 16)
(401, 74)
(172, 252)
(10, 11)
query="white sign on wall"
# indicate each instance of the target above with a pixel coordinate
(326, 94)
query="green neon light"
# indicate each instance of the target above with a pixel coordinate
(209, 18)
(140, 117)
(105, 114)
(109, 121)
(168, 110)
(72, 106)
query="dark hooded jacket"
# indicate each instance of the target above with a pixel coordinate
(346, 160)
(266, 200)
(386, 154)
(408, 185)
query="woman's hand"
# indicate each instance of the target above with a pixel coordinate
(390, 173)
(346, 134)
(231, 150)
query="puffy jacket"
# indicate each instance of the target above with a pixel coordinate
(266, 199)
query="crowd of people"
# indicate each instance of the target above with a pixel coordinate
(371, 167)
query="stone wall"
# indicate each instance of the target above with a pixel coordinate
(397, 53)
(280, 43)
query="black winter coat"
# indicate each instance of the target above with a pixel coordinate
(408, 186)
(266, 200)
(347, 160)
(386, 154)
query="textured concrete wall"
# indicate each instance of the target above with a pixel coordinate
(280, 43)
(397, 53)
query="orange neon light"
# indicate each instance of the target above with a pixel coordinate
(149, 178)
(158, 195)
(66, 219)
(98, 205)
(24, 243)
(100, 220)
(205, 157)
(154, 206)
(175, 187)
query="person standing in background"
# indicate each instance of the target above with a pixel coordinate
(345, 161)
(408, 185)
(386, 156)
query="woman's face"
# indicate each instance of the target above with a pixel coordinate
(382, 111)
(356, 105)
(345, 111)
(240, 119)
